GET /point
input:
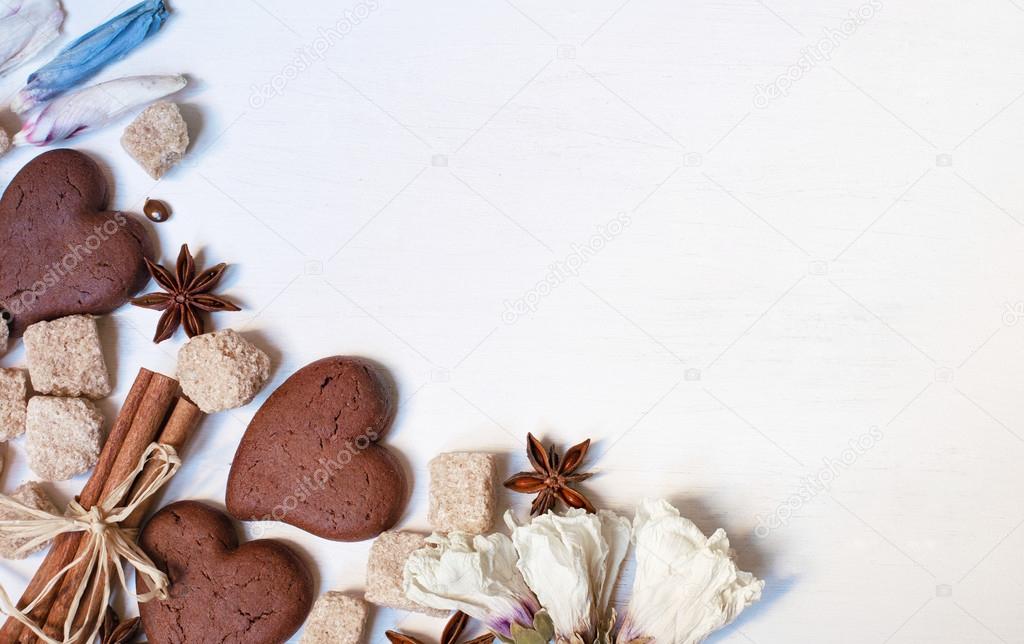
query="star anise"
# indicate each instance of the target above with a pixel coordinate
(552, 477)
(451, 633)
(114, 631)
(186, 295)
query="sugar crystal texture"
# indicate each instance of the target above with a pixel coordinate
(12, 419)
(336, 618)
(65, 358)
(13, 392)
(221, 370)
(13, 384)
(462, 494)
(63, 436)
(157, 139)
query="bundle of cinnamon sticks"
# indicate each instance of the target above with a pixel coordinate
(152, 411)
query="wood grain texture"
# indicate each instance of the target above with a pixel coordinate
(583, 220)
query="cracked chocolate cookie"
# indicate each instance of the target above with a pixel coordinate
(61, 252)
(259, 592)
(310, 456)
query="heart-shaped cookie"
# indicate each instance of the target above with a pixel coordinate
(256, 593)
(61, 252)
(310, 456)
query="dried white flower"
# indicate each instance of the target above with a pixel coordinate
(571, 563)
(476, 575)
(686, 585)
(26, 27)
(73, 113)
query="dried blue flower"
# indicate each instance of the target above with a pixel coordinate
(92, 52)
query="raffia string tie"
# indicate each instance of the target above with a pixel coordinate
(108, 545)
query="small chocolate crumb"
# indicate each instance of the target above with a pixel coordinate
(156, 210)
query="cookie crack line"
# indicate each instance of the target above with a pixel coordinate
(213, 598)
(312, 456)
(50, 211)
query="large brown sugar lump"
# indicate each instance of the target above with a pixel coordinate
(63, 436)
(157, 138)
(72, 255)
(310, 456)
(462, 494)
(221, 370)
(65, 358)
(336, 618)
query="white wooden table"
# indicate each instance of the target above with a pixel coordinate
(727, 240)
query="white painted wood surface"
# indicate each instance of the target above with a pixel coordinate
(586, 219)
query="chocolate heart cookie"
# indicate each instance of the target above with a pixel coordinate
(61, 253)
(256, 593)
(310, 456)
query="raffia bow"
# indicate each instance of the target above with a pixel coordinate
(106, 544)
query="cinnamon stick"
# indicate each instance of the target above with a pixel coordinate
(64, 547)
(176, 433)
(179, 428)
(145, 426)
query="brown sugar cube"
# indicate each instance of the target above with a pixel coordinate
(5, 331)
(12, 419)
(5, 145)
(63, 436)
(336, 618)
(385, 571)
(65, 358)
(221, 370)
(462, 492)
(157, 138)
(13, 384)
(32, 495)
(13, 391)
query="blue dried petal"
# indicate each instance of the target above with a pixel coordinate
(86, 56)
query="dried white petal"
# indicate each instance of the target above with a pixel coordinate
(91, 107)
(687, 585)
(474, 574)
(571, 563)
(26, 27)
